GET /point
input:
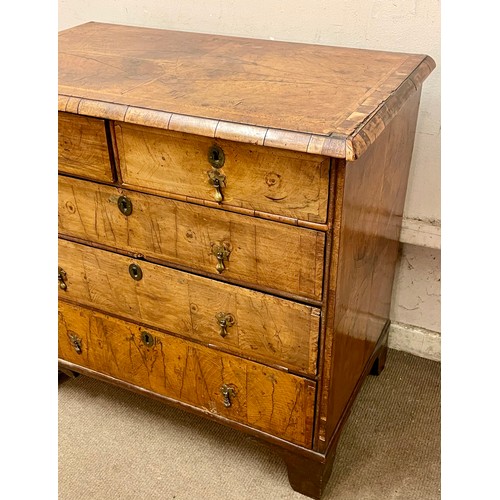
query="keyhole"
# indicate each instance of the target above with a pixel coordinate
(124, 205)
(135, 272)
(216, 157)
(147, 339)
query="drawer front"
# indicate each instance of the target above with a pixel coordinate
(265, 253)
(279, 403)
(252, 324)
(254, 177)
(83, 147)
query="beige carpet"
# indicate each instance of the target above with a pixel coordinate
(114, 444)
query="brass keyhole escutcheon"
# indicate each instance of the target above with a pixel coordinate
(222, 252)
(135, 272)
(227, 392)
(216, 156)
(147, 339)
(125, 205)
(225, 320)
(217, 179)
(62, 277)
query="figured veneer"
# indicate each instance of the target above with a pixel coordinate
(286, 183)
(257, 395)
(188, 235)
(239, 261)
(83, 147)
(266, 328)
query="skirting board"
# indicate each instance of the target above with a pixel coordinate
(421, 233)
(418, 341)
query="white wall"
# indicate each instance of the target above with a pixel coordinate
(395, 25)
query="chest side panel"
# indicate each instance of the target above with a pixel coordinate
(368, 225)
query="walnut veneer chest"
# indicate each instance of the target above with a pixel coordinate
(229, 215)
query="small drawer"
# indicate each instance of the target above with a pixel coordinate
(269, 180)
(248, 323)
(83, 147)
(251, 250)
(270, 400)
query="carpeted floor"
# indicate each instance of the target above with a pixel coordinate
(116, 445)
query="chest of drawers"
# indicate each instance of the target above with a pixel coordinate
(229, 215)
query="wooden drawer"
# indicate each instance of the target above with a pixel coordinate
(83, 147)
(279, 403)
(190, 235)
(265, 328)
(262, 179)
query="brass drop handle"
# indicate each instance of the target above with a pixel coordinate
(227, 392)
(218, 181)
(221, 252)
(225, 320)
(216, 158)
(62, 277)
(76, 342)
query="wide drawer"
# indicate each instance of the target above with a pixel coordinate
(256, 178)
(83, 147)
(268, 254)
(276, 402)
(248, 323)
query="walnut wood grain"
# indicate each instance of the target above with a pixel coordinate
(306, 475)
(186, 234)
(279, 182)
(366, 132)
(300, 93)
(266, 328)
(371, 195)
(83, 147)
(264, 398)
(315, 137)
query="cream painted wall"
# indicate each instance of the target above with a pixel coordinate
(397, 25)
(416, 296)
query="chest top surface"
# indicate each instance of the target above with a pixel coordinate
(297, 96)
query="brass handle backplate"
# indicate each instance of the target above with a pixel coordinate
(76, 342)
(221, 252)
(216, 158)
(227, 392)
(218, 181)
(62, 277)
(225, 320)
